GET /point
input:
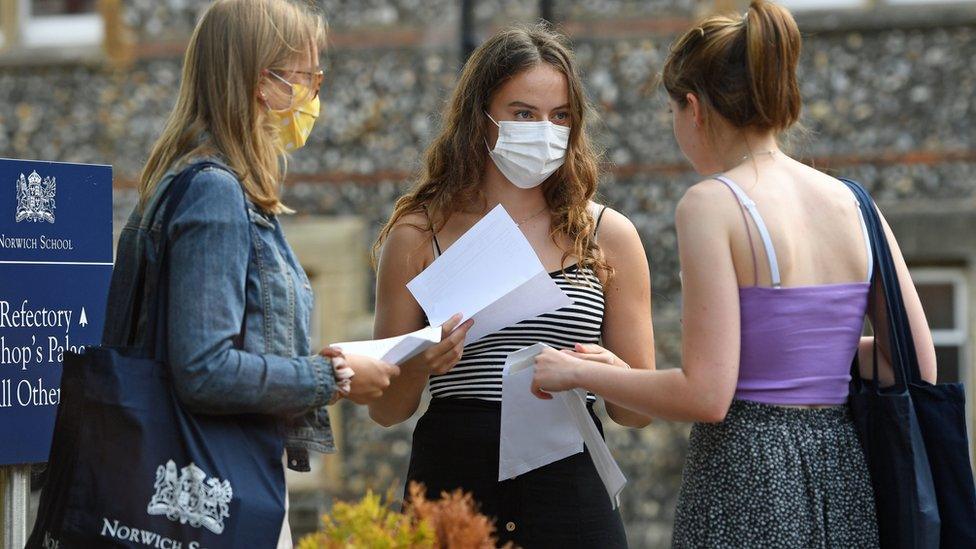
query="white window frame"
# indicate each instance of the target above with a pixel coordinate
(45, 31)
(957, 279)
(925, 2)
(959, 336)
(828, 5)
(822, 5)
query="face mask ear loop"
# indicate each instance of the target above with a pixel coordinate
(486, 139)
(492, 119)
(289, 84)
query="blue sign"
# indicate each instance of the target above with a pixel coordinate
(55, 267)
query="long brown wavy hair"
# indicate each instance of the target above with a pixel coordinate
(454, 162)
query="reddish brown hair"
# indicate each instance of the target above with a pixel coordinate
(742, 67)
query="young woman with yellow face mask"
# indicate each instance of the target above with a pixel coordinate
(239, 302)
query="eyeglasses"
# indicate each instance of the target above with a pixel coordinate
(312, 80)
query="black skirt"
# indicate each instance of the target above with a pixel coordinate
(563, 504)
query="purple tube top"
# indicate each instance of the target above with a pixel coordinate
(798, 343)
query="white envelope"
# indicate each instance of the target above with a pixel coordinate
(534, 432)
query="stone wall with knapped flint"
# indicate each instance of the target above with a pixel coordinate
(890, 99)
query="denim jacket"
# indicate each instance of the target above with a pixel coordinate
(231, 274)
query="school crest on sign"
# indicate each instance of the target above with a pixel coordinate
(35, 198)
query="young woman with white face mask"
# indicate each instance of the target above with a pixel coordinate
(514, 134)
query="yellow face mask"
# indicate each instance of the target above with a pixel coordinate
(295, 123)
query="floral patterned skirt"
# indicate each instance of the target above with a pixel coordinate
(769, 476)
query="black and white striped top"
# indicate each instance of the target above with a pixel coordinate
(479, 372)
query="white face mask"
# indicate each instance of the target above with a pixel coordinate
(529, 152)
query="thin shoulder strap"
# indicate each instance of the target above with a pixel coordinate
(437, 246)
(434, 243)
(750, 207)
(599, 218)
(867, 239)
(752, 244)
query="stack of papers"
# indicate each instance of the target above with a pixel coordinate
(395, 350)
(538, 432)
(490, 274)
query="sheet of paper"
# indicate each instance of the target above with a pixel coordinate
(491, 274)
(610, 473)
(394, 350)
(534, 432)
(534, 435)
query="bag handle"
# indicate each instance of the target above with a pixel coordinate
(156, 319)
(902, 344)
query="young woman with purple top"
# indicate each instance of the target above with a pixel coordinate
(776, 269)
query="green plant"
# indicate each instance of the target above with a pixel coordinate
(369, 524)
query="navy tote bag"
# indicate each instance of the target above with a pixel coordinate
(131, 467)
(914, 433)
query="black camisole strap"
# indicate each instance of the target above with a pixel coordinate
(437, 247)
(599, 218)
(430, 226)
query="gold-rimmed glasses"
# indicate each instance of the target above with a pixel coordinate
(310, 80)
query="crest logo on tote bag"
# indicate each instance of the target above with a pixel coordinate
(35, 198)
(190, 497)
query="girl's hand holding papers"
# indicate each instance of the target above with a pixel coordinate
(440, 358)
(596, 353)
(363, 379)
(560, 370)
(555, 371)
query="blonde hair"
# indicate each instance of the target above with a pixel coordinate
(454, 162)
(217, 110)
(743, 67)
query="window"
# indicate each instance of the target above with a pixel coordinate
(802, 5)
(62, 7)
(51, 23)
(834, 5)
(921, 2)
(944, 297)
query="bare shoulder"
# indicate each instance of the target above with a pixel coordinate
(412, 225)
(707, 202)
(408, 243)
(616, 231)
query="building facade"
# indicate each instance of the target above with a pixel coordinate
(889, 92)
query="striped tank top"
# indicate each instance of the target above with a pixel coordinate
(478, 374)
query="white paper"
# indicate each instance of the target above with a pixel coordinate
(490, 274)
(610, 473)
(394, 350)
(536, 432)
